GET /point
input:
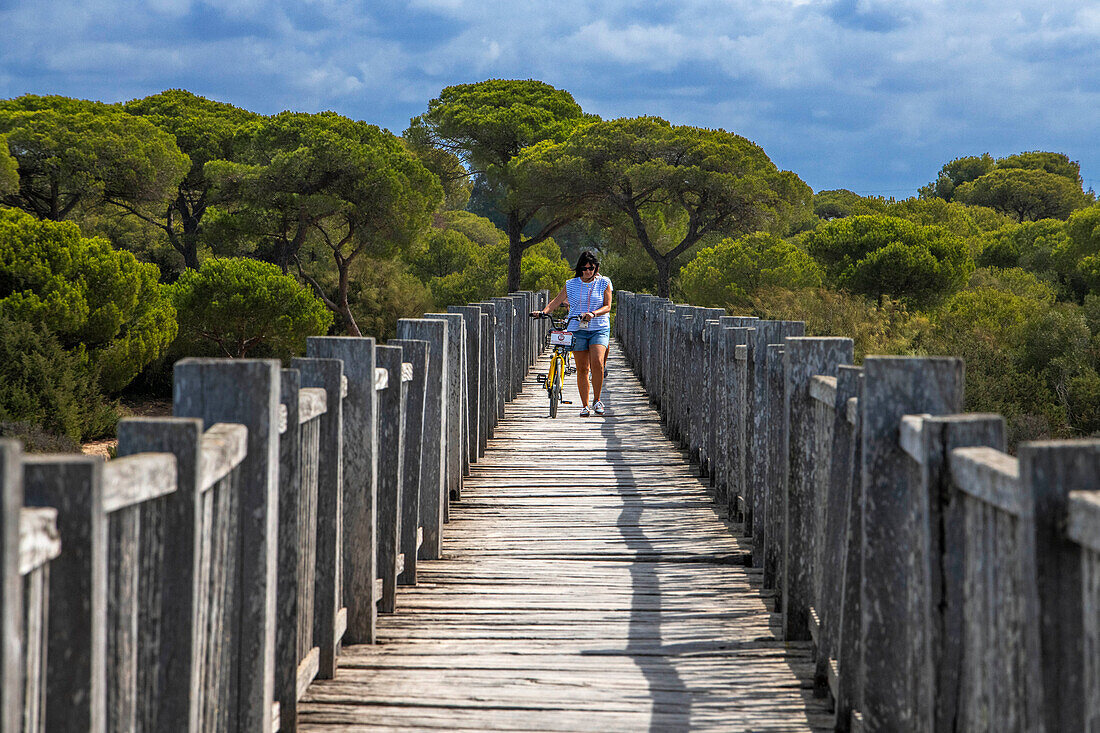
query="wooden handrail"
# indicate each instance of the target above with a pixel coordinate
(222, 449)
(902, 533)
(992, 476)
(138, 478)
(39, 541)
(226, 537)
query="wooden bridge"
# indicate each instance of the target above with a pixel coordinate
(758, 536)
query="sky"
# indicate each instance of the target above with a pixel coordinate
(868, 95)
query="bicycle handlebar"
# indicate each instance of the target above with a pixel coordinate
(563, 324)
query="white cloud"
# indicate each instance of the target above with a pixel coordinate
(844, 92)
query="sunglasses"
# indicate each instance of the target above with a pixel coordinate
(588, 267)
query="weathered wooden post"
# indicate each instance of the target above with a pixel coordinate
(487, 417)
(11, 587)
(700, 384)
(415, 355)
(391, 457)
(360, 529)
(740, 414)
(433, 469)
(728, 406)
(292, 457)
(1051, 470)
(77, 645)
(493, 382)
(1083, 529)
(838, 511)
(893, 387)
(471, 315)
(329, 613)
(713, 391)
(758, 467)
(936, 677)
(39, 543)
(679, 347)
(804, 358)
(850, 647)
(666, 313)
(689, 379)
(506, 344)
(455, 405)
(519, 340)
(771, 449)
(172, 680)
(530, 328)
(543, 325)
(246, 391)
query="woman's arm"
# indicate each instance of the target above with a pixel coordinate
(558, 299)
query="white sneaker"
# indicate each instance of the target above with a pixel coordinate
(598, 407)
(585, 412)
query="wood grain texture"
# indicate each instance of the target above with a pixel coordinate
(391, 458)
(893, 529)
(246, 391)
(293, 573)
(137, 478)
(360, 478)
(224, 446)
(1050, 471)
(456, 431)
(77, 619)
(173, 598)
(38, 539)
(11, 585)
(414, 353)
(433, 465)
(471, 315)
(804, 358)
(588, 582)
(328, 574)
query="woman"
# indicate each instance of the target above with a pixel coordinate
(589, 297)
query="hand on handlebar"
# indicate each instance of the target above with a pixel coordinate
(538, 314)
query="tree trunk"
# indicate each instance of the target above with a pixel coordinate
(663, 268)
(515, 257)
(343, 308)
(515, 251)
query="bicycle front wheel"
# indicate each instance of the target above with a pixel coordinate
(555, 400)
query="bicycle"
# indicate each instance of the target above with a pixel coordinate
(561, 341)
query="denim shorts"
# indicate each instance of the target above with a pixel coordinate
(585, 338)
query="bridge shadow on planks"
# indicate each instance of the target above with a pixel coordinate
(644, 646)
(587, 585)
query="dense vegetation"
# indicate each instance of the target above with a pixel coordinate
(132, 234)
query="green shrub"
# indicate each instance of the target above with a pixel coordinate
(883, 327)
(884, 256)
(240, 307)
(49, 388)
(87, 294)
(730, 273)
(37, 440)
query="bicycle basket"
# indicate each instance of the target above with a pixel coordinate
(561, 338)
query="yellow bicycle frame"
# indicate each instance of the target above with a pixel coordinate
(556, 362)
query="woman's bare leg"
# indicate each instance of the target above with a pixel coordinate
(599, 356)
(581, 358)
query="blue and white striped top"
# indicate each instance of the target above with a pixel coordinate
(585, 298)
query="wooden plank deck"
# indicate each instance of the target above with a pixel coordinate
(588, 584)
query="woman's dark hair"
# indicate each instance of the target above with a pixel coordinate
(586, 258)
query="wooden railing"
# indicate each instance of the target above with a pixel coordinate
(204, 578)
(943, 584)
